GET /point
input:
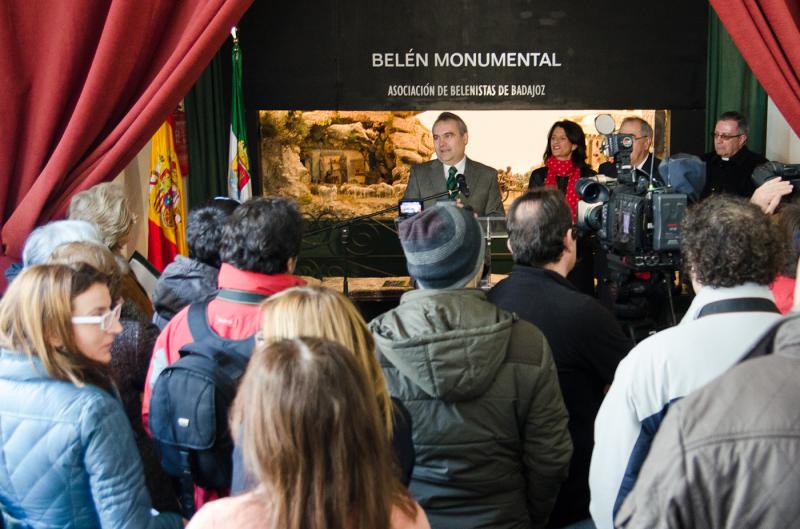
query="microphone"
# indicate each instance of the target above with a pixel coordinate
(462, 185)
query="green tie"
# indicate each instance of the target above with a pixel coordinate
(452, 186)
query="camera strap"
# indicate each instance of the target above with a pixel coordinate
(738, 305)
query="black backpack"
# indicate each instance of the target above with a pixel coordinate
(189, 408)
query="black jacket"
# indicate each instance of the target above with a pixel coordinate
(184, 281)
(587, 344)
(731, 176)
(610, 168)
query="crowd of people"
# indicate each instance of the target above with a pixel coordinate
(240, 395)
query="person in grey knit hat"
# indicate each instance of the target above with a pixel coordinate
(490, 426)
(443, 246)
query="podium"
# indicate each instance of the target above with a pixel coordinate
(492, 228)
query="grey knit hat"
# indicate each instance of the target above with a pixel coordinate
(443, 246)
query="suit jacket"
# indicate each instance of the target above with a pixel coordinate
(610, 169)
(427, 179)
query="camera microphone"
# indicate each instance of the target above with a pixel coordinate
(462, 184)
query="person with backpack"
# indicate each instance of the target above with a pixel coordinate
(260, 243)
(321, 312)
(314, 437)
(69, 457)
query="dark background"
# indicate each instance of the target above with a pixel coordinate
(316, 55)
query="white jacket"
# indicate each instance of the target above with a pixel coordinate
(659, 370)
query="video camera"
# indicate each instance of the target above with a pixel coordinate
(637, 217)
(769, 170)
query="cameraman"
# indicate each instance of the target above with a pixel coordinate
(641, 158)
(732, 252)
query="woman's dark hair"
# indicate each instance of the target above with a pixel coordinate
(204, 227)
(575, 135)
(261, 235)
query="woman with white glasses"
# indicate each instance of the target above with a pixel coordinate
(69, 458)
(130, 359)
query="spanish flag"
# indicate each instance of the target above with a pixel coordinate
(167, 212)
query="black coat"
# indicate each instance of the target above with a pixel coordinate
(587, 344)
(582, 276)
(731, 176)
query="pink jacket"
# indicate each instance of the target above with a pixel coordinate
(248, 512)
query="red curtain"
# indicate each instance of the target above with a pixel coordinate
(83, 86)
(767, 33)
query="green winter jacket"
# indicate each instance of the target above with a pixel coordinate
(490, 426)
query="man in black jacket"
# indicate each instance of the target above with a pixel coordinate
(730, 165)
(586, 340)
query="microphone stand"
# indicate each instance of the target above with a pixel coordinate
(344, 234)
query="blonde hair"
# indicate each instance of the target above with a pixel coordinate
(107, 207)
(73, 254)
(312, 435)
(36, 319)
(324, 313)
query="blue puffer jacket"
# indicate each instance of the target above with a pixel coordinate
(68, 458)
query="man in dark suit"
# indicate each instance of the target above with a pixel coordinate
(641, 158)
(450, 139)
(730, 165)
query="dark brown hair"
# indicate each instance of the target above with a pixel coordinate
(727, 241)
(788, 218)
(575, 135)
(537, 223)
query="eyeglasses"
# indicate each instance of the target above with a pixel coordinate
(574, 230)
(724, 137)
(105, 321)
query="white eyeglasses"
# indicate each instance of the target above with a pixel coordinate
(105, 321)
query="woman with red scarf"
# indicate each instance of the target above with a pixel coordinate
(564, 164)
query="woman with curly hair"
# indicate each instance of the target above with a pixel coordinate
(106, 206)
(314, 437)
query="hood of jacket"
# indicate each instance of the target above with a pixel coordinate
(450, 342)
(183, 281)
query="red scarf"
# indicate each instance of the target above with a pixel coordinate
(564, 168)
